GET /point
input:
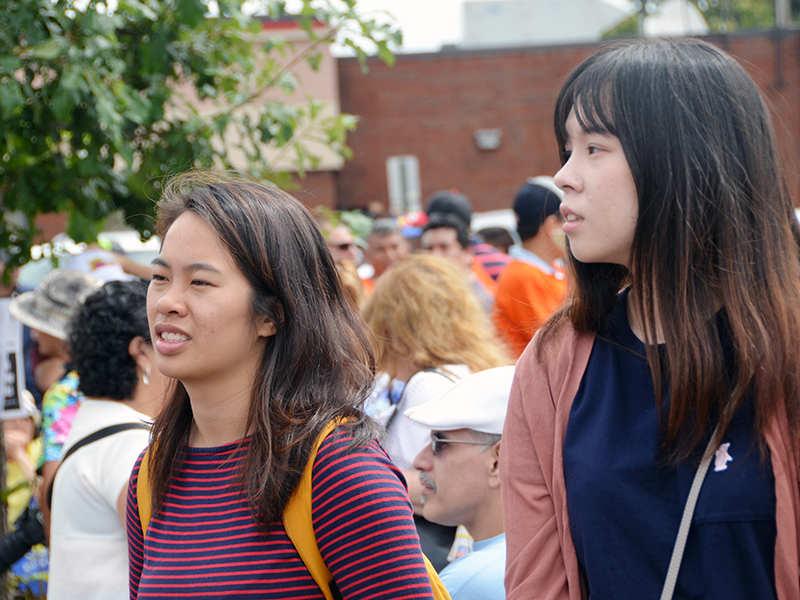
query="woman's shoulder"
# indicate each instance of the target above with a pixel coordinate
(341, 441)
(339, 452)
(562, 355)
(553, 341)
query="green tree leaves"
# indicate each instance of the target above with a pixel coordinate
(96, 107)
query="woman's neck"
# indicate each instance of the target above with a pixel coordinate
(218, 419)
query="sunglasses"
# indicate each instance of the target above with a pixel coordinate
(438, 444)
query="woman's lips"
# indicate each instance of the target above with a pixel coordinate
(571, 220)
(170, 339)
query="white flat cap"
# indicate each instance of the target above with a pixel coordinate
(478, 402)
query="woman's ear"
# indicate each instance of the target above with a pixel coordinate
(267, 328)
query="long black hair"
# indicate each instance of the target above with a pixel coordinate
(716, 229)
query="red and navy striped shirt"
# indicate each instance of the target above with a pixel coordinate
(204, 541)
(492, 260)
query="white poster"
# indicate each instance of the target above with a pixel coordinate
(12, 368)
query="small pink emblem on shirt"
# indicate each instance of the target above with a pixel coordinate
(722, 458)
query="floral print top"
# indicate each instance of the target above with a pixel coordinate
(59, 406)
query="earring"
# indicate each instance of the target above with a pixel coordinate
(146, 376)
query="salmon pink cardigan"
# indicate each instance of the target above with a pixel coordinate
(541, 560)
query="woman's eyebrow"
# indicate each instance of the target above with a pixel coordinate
(201, 266)
(198, 266)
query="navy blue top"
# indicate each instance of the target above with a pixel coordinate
(625, 502)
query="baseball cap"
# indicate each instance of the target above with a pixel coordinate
(537, 199)
(478, 402)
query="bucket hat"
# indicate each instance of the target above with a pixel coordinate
(51, 304)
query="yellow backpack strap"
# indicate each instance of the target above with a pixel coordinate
(143, 492)
(439, 591)
(297, 520)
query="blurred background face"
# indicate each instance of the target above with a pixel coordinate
(444, 242)
(385, 250)
(342, 244)
(48, 345)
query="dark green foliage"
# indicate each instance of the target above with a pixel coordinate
(92, 115)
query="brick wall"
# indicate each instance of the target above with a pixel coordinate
(430, 105)
(317, 189)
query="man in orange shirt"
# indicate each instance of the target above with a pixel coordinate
(533, 284)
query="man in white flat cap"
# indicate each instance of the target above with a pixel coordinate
(460, 476)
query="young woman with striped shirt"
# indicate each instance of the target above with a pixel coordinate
(248, 315)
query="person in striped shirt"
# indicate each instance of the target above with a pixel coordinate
(248, 315)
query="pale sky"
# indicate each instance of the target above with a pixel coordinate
(426, 24)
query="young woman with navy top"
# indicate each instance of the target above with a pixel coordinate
(679, 341)
(248, 315)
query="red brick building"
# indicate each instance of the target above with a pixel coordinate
(430, 105)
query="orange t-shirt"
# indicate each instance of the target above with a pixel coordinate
(525, 297)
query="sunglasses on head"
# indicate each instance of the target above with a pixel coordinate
(438, 444)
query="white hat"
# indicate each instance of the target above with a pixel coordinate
(478, 402)
(54, 300)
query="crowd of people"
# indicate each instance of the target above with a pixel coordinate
(284, 407)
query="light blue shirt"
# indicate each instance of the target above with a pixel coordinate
(478, 575)
(519, 253)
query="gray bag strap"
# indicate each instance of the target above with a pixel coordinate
(686, 522)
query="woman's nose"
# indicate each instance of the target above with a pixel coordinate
(170, 301)
(567, 177)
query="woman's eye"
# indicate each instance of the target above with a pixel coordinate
(199, 282)
(565, 155)
(158, 277)
(593, 149)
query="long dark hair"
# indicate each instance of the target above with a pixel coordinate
(318, 366)
(716, 229)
